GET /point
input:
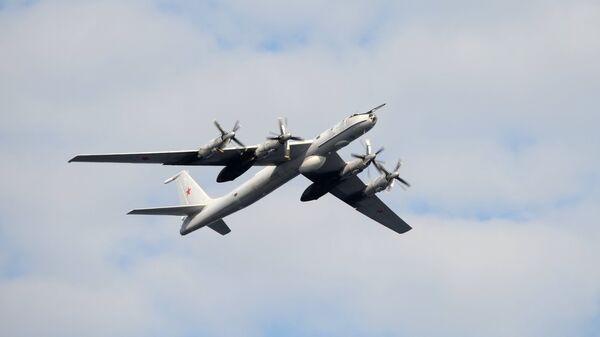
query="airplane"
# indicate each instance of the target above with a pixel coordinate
(285, 157)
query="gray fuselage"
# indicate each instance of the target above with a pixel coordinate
(270, 178)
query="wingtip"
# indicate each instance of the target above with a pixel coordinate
(408, 228)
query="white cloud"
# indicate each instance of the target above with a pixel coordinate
(492, 108)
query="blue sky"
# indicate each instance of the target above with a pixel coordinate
(492, 106)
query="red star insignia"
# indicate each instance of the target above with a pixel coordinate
(188, 191)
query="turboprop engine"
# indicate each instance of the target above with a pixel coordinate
(237, 167)
(386, 180)
(320, 188)
(247, 159)
(220, 142)
(362, 161)
(278, 140)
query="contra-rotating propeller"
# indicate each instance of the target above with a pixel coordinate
(369, 156)
(284, 136)
(229, 136)
(391, 177)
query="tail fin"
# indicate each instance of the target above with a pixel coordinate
(193, 201)
(189, 191)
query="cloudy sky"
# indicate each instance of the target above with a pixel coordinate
(493, 106)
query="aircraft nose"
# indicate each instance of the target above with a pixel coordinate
(373, 118)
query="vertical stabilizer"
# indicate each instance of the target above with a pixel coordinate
(189, 191)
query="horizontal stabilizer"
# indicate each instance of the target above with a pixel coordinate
(171, 210)
(220, 227)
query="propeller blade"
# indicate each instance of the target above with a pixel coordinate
(398, 165)
(359, 156)
(368, 146)
(296, 138)
(403, 181)
(236, 126)
(287, 150)
(379, 151)
(238, 142)
(282, 127)
(219, 127)
(381, 169)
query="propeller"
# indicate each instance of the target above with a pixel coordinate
(391, 177)
(228, 136)
(369, 156)
(284, 136)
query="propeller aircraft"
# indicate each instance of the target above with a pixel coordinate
(284, 156)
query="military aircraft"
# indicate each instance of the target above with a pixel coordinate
(285, 157)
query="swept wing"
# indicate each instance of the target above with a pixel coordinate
(190, 157)
(350, 190)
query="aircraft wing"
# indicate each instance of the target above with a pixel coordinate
(350, 191)
(190, 157)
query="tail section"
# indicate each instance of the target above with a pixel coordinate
(193, 201)
(189, 191)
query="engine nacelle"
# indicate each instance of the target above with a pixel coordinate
(236, 167)
(353, 167)
(312, 163)
(376, 186)
(265, 149)
(204, 152)
(314, 192)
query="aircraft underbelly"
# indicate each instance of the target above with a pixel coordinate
(264, 182)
